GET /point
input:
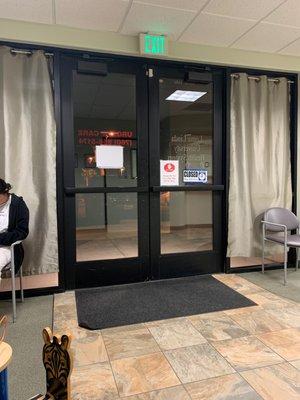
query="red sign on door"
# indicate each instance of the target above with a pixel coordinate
(169, 167)
(169, 172)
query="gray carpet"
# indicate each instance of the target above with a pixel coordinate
(107, 307)
(272, 280)
(26, 372)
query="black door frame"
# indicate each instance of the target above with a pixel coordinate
(92, 273)
(192, 263)
(149, 264)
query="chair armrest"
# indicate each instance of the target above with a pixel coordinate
(16, 243)
(273, 223)
(264, 223)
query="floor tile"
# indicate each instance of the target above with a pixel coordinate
(124, 344)
(165, 321)
(87, 347)
(296, 364)
(93, 382)
(176, 334)
(63, 325)
(197, 362)
(227, 387)
(286, 343)
(258, 322)
(219, 327)
(269, 300)
(276, 382)
(143, 374)
(174, 393)
(238, 283)
(242, 310)
(287, 315)
(246, 353)
(64, 312)
(64, 298)
(123, 328)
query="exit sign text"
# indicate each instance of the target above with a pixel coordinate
(153, 44)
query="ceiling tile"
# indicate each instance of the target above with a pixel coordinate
(293, 49)
(250, 9)
(215, 30)
(155, 19)
(104, 15)
(30, 10)
(194, 5)
(267, 37)
(287, 14)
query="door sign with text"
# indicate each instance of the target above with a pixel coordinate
(169, 172)
(194, 176)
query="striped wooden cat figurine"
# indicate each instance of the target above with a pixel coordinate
(57, 362)
(3, 326)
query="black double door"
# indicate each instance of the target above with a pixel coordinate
(142, 162)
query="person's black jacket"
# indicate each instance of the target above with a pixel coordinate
(17, 228)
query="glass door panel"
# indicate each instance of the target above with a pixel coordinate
(186, 222)
(106, 226)
(105, 143)
(186, 126)
(104, 112)
(186, 172)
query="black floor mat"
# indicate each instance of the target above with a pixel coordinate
(111, 306)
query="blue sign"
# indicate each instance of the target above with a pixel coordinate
(194, 176)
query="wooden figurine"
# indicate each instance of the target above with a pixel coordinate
(57, 362)
(3, 326)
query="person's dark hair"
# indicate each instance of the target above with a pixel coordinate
(4, 186)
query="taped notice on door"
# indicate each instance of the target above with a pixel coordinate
(169, 173)
(194, 175)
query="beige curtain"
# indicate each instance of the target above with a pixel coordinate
(28, 150)
(260, 168)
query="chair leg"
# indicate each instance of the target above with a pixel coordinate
(285, 265)
(21, 284)
(263, 256)
(297, 258)
(13, 293)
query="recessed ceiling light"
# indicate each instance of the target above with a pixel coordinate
(185, 95)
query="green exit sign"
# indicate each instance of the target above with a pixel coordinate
(153, 44)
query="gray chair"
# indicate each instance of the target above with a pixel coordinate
(11, 268)
(276, 226)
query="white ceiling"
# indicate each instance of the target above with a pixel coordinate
(261, 25)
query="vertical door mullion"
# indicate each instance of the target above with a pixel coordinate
(154, 156)
(143, 168)
(68, 175)
(217, 158)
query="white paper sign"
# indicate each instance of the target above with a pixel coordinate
(109, 156)
(169, 173)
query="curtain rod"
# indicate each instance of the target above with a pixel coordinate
(257, 78)
(27, 52)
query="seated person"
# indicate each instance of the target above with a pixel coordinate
(14, 219)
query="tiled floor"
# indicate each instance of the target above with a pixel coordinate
(244, 354)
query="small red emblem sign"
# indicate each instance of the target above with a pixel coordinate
(169, 167)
